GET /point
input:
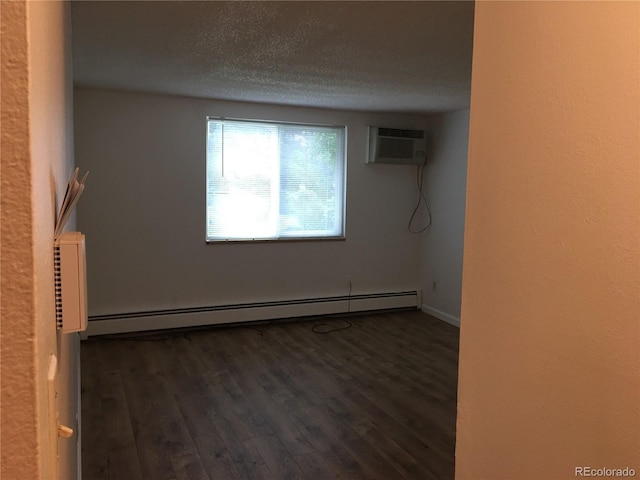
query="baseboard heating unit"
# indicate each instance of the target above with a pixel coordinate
(248, 312)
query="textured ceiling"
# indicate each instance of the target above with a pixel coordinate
(381, 56)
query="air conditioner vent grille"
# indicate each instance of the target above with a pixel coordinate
(400, 133)
(58, 285)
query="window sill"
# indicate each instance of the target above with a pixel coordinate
(276, 240)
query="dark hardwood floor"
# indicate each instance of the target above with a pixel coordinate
(373, 401)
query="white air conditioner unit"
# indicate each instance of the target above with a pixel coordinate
(396, 146)
(70, 282)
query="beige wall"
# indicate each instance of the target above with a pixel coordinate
(36, 162)
(19, 433)
(550, 338)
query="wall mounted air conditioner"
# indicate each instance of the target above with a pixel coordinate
(396, 146)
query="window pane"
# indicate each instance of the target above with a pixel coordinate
(267, 180)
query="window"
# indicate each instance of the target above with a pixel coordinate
(270, 181)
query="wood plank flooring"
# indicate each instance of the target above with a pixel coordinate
(376, 400)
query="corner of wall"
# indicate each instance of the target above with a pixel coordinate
(442, 245)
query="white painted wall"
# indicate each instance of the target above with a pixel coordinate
(549, 375)
(143, 211)
(52, 158)
(442, 244)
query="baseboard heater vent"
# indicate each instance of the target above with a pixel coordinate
(248, 312)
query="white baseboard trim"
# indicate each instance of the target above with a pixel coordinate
(227, 314)
(439, 314)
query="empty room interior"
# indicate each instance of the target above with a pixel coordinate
(320, 240)
(345, 375)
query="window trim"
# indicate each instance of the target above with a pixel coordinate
(330, 238)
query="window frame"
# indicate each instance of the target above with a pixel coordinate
(292, 238)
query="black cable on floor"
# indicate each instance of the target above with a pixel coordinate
(315, 327)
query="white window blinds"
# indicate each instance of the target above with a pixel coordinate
(269, 181)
